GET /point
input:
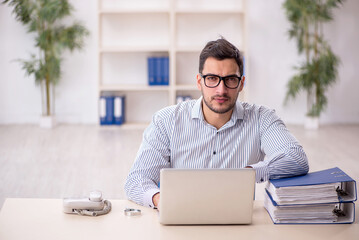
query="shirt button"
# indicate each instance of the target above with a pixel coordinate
(262, 180)
(214, 152)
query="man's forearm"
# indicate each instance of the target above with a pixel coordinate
(288, 164)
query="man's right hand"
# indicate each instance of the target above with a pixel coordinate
(156, 200)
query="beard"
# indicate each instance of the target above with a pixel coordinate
(230, 103)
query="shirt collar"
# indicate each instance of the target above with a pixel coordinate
(238, 111)
(197, 109)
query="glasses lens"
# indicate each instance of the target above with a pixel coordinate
(232, 81)
(211, 80)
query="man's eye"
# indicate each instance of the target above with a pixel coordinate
(231, 79)
(212, 78)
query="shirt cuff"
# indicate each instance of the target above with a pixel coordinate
(147, 197)
(262, 172)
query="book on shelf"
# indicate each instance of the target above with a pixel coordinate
(158, 71)
(325, 196)
(112, 110)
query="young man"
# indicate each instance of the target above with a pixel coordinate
(215, 131)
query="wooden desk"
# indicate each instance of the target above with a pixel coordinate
(43, 219)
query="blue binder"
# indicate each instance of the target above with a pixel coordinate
(106, 110)
(158, 71)
(151, 70)
(165, 70)
(345, 211)
(332, 175)
(344, 205)
(119, 110)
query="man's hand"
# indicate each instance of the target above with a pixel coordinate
(156, 200)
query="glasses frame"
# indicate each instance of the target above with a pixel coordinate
(221, 79)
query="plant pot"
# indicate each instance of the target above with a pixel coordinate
(311, 123)
(47, 122)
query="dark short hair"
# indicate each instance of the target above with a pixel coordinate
(220, 49)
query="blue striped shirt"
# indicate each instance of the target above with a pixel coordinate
(179, 137)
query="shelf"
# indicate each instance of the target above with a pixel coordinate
(189, 49)
(134, 6)
(128, 126)
(134, 49)
(132, 88)
(209, 11)
(132, 31)
(187, 87)
(133, 11)
(209, 6)
(228, 25)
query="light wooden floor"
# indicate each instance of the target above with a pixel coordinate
(72, 160)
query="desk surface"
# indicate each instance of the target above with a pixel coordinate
(43, 219)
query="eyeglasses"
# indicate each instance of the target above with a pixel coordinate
(212, 81)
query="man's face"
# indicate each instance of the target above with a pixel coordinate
(219, 99)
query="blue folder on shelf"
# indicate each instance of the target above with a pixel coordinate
(151, 61)
(165, 71)
(112, 110)
(106, 110)
(119, 110)
(158, 71)
(320, 197)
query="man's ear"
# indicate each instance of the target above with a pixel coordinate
(199, 78)
(241, 85)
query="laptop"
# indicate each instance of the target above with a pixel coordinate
(206, 196)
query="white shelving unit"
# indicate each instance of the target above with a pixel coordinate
(131, 31)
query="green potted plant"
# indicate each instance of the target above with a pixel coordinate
(320, 68)
(52, 37)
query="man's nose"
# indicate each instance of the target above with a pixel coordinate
(221, 88)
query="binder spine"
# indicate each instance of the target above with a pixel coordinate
(151, 70)
(119, 110)
(285, 210)
(165, 70)
(102, 110)
(112, 110)
(158, 71)
(106, 110)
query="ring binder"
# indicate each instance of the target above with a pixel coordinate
(338, 211)
(325, 196)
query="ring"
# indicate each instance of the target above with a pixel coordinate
(132, 212)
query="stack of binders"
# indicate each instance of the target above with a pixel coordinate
(315, 198)
(112, 110)
(158, 71)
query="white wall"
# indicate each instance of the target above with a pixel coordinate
(271, 57)
(76, 94)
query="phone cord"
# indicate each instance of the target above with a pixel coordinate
(94, 213)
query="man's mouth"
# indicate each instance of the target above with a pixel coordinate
(220, 99)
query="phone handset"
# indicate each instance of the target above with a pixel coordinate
(94, 205)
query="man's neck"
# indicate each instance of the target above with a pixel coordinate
(216, 119)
